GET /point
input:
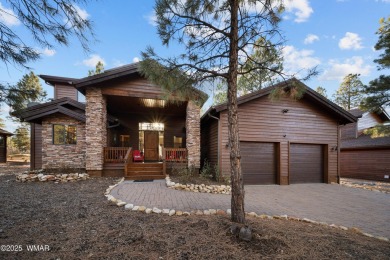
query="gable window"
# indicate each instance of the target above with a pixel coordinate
(64, 134)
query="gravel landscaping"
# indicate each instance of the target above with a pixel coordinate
(74, 220)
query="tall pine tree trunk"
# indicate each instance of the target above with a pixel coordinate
(238, 213)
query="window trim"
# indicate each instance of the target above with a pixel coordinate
(65, 134)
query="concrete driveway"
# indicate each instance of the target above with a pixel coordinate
(331, 203)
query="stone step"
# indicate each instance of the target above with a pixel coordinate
(144, 172)
(144, 177)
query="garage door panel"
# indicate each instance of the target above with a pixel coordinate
(306, 163)
(258, 163)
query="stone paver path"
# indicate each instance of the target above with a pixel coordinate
(331, 203)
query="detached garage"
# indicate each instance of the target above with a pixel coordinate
(282, 141)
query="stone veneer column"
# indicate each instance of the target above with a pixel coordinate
(96, 130)
(193, 134)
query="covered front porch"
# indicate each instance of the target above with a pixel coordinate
(120, 161)
(123, 111)
(145, 137)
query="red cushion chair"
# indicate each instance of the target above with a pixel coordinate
(138, 156)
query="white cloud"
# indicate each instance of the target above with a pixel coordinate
(310, 38)
(81, 12)
(297, 60)
(136, 59)
(385, 1)
(118, 63)
(151, 18)
(300, 8)
(338, 70)
(48, 52)
(351, 41)
(8, 17)
(93, 60)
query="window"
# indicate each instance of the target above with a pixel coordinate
(125, 140)
(177, 142)
(2, 140)
(64, 134)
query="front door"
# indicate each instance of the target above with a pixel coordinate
(151, 145)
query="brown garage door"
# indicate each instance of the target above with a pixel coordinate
(258, 163)
(306, 163)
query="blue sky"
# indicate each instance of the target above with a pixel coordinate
(337, 36)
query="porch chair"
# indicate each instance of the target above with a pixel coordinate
(138, 156)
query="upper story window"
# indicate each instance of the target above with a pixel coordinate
(64, 134)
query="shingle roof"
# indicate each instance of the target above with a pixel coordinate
(356, 112)
(4, 132)
(365, 141)
(62, 105)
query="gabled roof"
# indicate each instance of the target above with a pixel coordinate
(125, 70)
(52, 80)
(365, 142)
(66, 106)
(111, 74)
(344, 116)
(4, 132)
(380, 112)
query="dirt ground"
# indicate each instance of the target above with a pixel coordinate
(75, 221)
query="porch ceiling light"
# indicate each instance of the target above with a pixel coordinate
(149, 102)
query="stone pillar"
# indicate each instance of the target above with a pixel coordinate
(96, 130)
(193, 134)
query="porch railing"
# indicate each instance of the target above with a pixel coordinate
(115, 154)
(175, 154)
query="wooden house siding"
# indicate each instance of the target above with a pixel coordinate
(349, 131)
(209, 142)
(262, 120)
(368, 164)
(61, 91)
(368, 120)
(138, 87)
(36, 146)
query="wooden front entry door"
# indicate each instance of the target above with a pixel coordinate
(151, 145)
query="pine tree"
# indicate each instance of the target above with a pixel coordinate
(98, 69)
(216, 36)
(378, 90)
(21, 139)
(350, 93)
(322, 91)
(28, 89)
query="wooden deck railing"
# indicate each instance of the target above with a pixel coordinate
(175, 154)
(115, 154)
(129, 156)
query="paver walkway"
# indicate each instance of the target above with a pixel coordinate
(331, 203)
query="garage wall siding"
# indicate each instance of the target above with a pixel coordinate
(262, 120)
(365, 164)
